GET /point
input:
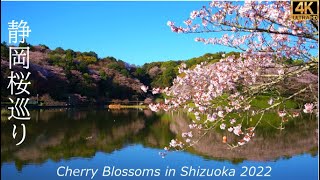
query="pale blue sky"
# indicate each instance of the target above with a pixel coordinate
(135, 32)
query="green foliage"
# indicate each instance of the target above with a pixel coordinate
(290, 61)
(115, 66)
(58, 50)
(210, 58)
(124, 72)
(109, 59)
(90, 53)
(297, 62)
(82, 66)
(25, 44)
(87, 59)
(261, 101)
(4, 50)
(103, 75)
(119, 66)
(165, 79)
(169, 69)
(69, 55)
(140, 72)
(86, 77)
(44, 46)
(56, 59)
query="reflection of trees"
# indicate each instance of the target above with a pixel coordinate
(64, 134)
(299, 136)
(61, 134)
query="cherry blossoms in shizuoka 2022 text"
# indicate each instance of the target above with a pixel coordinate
(219, 95)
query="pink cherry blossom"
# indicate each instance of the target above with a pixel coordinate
(237, 130)
(265, 35)
(154, 107)
(247, 138)
(223, 126)
(282, 113)
(308, 108)
(270, 102)
(242, 142)
(211, 117)
(194, 14)
(170, 23)
(188, 22)
(220, 113)
(155, 90)
(173, 143)
(295, 114)
(280, 72)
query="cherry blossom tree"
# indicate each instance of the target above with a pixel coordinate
(219, 94)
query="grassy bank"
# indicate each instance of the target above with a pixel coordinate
(119, 106)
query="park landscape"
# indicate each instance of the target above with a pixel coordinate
(256, 103)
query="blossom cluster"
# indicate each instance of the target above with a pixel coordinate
(254, 26)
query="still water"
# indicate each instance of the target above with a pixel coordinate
(105, 142)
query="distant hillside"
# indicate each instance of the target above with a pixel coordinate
(65, 76)
(161, 74)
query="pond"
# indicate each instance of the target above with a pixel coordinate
(103, 144)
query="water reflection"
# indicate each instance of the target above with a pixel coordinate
(64, 134)
(299, 136)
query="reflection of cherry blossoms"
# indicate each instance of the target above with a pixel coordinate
(308, 108)
(282, 113)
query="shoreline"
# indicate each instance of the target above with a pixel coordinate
(32, 107)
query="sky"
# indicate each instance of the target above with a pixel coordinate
(135, 32)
